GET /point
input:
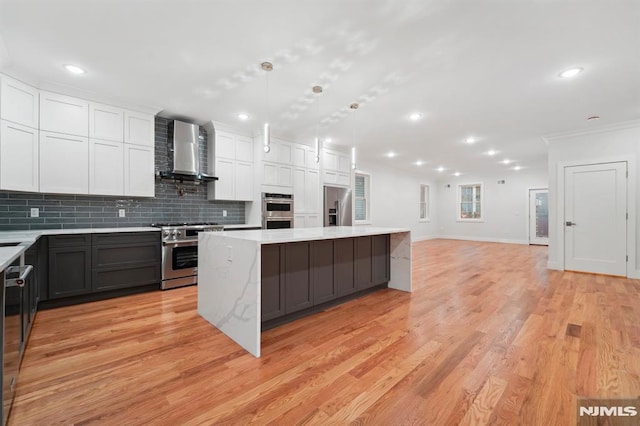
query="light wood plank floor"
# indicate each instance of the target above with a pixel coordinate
(489, 336)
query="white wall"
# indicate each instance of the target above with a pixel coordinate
(395, 201)
(505, 207)
(619, 142)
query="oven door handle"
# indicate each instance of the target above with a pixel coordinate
(19, 281)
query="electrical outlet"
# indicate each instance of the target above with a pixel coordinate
(35, 212)
(224, 213)
(121, 213)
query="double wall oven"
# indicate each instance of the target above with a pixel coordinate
(277, 211)
(180, 252)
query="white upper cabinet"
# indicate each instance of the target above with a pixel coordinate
(225, 145)
(64, 114)
(19, 166)
(64, 163)
(244, 149)
(19, 102)
(299, 154)
(344, 163)
(139, 178)
(243, 181)
(106, 167)
(285, 153)
(336, 167)
(106, 122)
(329, 160)
(139, 128)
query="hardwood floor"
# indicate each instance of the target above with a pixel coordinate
(489, 336)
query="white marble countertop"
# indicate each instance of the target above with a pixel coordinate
(275, 236)
(26, 238)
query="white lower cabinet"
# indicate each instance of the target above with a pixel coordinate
(139, 179)
(19, 159)
(306, 220)
(313, 221)
(299, 221)
(106, 167)
(64, 163)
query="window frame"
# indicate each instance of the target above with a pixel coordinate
(367, 197)
(459, 217)
(427, 203)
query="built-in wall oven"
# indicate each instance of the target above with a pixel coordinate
(277, 211)
(180, 252)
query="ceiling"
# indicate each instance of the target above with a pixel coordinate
(484, 69)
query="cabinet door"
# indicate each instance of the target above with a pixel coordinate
(139, 128)
(139, 177)
(344, 266)
(297, 277)
(270, 174)
(18, 157)
(244, 149)
(324, 285)
(285, 176)
(299, 221)
(364, 277)
(329, 176)
(311, 159)
(224, 185)
(64, 164)
(69, 271)
(313, 221)
(380, 260)
(106, 122)
(285, 155)
(299, 195)
(19, 103)
(64, 114)
(329, 160)
(272, 284)
(243, 181)
(344, 163)
(343, 179)
(299, 155)
(106, 167)
(224, 144)
(312, 191)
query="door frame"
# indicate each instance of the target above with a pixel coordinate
(536, 188)
(632, 271)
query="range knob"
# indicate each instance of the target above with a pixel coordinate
(176, 233)
(166, 234)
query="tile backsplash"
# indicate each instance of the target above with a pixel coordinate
(86, 211)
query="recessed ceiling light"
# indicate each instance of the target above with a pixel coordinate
(491, 152)
(470, 140)
(570, 72)
(415, 116)
(419, 163)
(516, 168)
(391, 154)
(74, 69)
(506, 161)
(328, 140)
(456, 174)
(243, 116)
(440, 169)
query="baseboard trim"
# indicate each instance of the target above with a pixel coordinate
(482, 239)
(634, 274)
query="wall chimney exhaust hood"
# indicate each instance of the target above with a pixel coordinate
(184, 154)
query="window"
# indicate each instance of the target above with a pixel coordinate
(424, 202)
(470, 202)
(362, 202)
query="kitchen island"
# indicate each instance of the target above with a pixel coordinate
(248, 278)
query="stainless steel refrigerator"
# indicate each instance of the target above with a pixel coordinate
(337, 206)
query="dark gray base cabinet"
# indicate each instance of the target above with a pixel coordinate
(297, 276)
(88, 263)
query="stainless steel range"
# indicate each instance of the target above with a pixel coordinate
(180, 252)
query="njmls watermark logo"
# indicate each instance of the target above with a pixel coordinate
(608, 411)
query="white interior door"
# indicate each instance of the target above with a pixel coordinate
(595, 218)
(539, 216)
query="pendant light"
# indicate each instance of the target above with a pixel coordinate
(317, 90)
(353, 106)
(266, 132)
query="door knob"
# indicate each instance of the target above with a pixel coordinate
(569, 223)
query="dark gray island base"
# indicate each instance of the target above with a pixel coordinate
(252, 280)
(302, 278)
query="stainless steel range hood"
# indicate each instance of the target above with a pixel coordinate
(184, 153)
